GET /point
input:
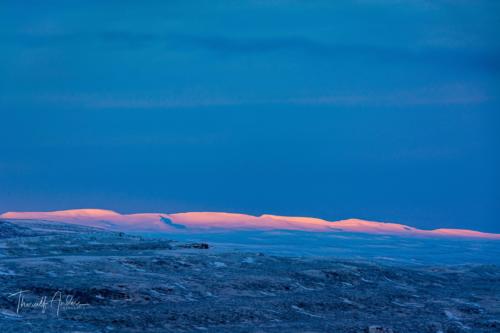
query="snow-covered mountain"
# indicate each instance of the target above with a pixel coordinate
(219, 222)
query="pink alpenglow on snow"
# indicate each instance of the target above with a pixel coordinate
(221, 222)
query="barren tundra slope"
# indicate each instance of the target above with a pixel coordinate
(102, 281)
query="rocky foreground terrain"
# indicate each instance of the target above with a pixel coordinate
(61, 278)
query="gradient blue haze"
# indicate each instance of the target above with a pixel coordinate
(382, 110)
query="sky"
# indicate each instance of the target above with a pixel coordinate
(381, 110)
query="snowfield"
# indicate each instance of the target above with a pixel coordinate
(93, 280)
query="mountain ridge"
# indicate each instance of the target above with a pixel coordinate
(223, 221)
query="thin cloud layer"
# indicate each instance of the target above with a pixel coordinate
(378, 109)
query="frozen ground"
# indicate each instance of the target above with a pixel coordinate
(388, 249)
(255, 282)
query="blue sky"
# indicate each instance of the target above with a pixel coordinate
(383, 110)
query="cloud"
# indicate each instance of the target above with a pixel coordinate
(440, 56)
(448, 94)
(465, 58)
